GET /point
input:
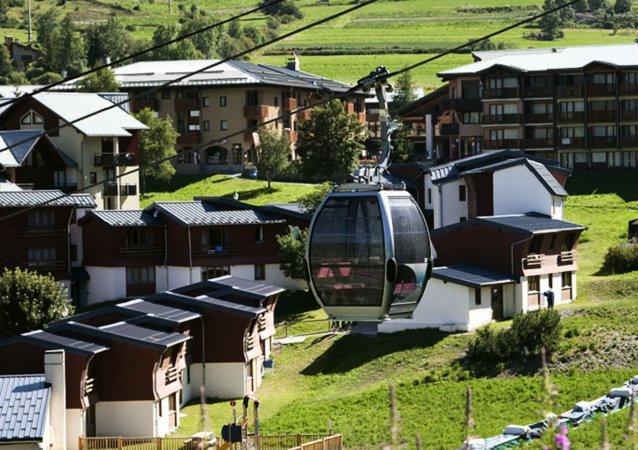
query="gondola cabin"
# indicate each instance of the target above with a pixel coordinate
(368, 254)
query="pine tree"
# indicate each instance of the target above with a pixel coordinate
(551, 24)
(622, 6)
(101, 81)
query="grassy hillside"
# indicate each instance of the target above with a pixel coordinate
(345, 378)
(401, 31)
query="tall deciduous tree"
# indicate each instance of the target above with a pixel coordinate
(206, 42)
(272, 156)
(101, 81)
(63, 47)
(622, 6)
(403, 92)
(29, 301)
(108, 39)
(184, 49)
(292, 250)
(330, 142)
(551, 24)
(156, 144)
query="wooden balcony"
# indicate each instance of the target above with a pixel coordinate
(110, 189)
(449, 129)
(250, 343)
(141, 103)
(290, 103)
(52, 265)
(601, 116)
(567, 257)
(172, 374)
(601, 90)
(114, 160)
(569, 91)
(188, 138)
(257, 111)
(214, 250)
(305, 114)
(186, 104)
(628, 115)
(629, 141)
(91, 385)
(532, 261)
(508, 92)
(539, 143)
(539, 117)
(462, 104)
(140, 251)
(571, 142)
(571, 117)
(628, 89)
(539, 91)
(42, 232)
(502, 144)
(503, 119)
(261, 323)
(602, 141)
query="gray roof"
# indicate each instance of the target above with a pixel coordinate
(124, 218)
(54, 341)
(167, 314)
(550, 59)
(24, 404)
(539, 170)
(471, 276)
(26, 198)
(531, 222)
(207, 302)
(15, 146)
(205, 213)
(243, 285)
(156, 73)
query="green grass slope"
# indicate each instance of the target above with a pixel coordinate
(344, 379)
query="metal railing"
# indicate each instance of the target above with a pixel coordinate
(140, 250)
(130, 443)
(114, 159)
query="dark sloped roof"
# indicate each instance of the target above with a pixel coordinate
(25, 198)
(539, 170)
(54, 341)
(124, 218)
(472, 276)
(243, 285)
(207, 302)
(162, 312)
(24, 404)
(206, 213)
(533, 223)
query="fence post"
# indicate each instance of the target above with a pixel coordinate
(120, 444)
(80, 443)
(298, 440)
(158, 442)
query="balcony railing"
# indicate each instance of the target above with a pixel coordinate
(141, 103)
(502, 144)
(172, 374)
(503, 119)
(186, 104)
(90, 385)
(539, 143)
(262, 323)
(449, 129)
(250, 343)
(33, 231)
(567, 257)
(571, 142)
(628, 88)
(628, 114)
(601, 116)
(111, 189)
(52, 265)
(189, 138)
(290, 103)
(601, 141)
(214, 250)
(256, 111)
(506, 92)
(532, 261)
(128, 189)
(571, 116)
(539, 91)
(569, 91)
(539, 117)
(67, 188)
(601, 90)
(114, 159)
(629, 141)
(462, 104)
(305, 114)
(140, 251)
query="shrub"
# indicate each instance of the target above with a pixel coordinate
(621, 258)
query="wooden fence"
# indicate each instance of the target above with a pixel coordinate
(125, 443)
(285, 441)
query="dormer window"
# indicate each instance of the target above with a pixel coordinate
(31, 118)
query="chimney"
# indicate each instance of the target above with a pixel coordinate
(55, 375)
(293, 63)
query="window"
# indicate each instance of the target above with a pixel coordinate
(238, 154)
(42, 254)
(223, 101)
(160, 409)
(223, 124)
(188, 373)
(194, 113)
(206, 125)
(566, 279)
(140, 275)
(214, 272)
(429, 195)
(550, 280)
(31, 118)
(260, 272)
(603, 78)
(166, 95)
(214, 236)
(477, 296)
(194, 127)
(462, 193)
(41, 218)
(470, 89)
(73, 252)
(533, 284)
(136, 237)
(252, 98)
(276, 101)
(205, 101)
(471, 117)
(259, 234)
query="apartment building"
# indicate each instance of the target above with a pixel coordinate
(126, 369)
(172, 244)
(576, 105)
(78, 156)
(226, 99)
(492, 268)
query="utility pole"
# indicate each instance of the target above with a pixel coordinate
(29, 35)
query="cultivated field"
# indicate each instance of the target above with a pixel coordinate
(344, 379)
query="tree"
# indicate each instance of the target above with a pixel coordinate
(110, 39)
(622, 6)
(157, 143)
(551, 24)
(101, 81)
(292, 253)
(595, 5)
(402, 147)
(403, 92)
(206, 41)
(330, 142)
(312, 200)
(28, 301)
(272, 157)
(184, 49)
(6, 67)
(286, 9)
(71, 49)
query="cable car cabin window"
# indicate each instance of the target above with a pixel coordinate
(411, 249)
(347, 257)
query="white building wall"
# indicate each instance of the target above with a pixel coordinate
(163, 421)
(223, 380)
(451, 209)
(106, 283)
(517, 191)
(177, 277)
(274, 276)
(511, 300)
(126, 418)
(479, 315)
(74, 427)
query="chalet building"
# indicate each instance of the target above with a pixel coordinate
(576, 105)
(227, 99)
(76, 156)
(47, 238)
(491, 268)
(172, 244)
(126, 369)
(21, 54)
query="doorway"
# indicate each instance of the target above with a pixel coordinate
(497, 302)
